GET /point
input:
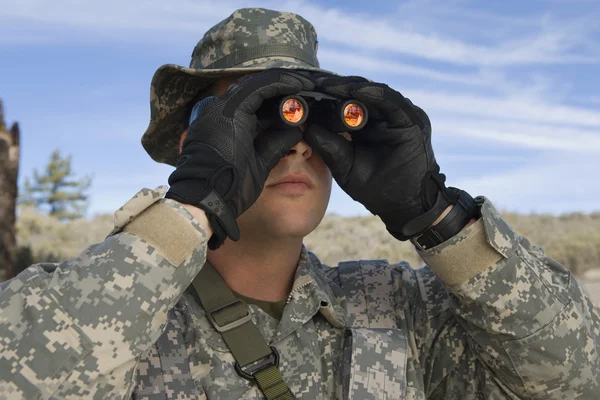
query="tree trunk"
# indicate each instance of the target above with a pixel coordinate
(9, 169)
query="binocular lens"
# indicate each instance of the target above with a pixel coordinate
(353, 115)
(336, 114)
(292, 110)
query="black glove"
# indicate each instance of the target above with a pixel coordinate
(223, 168)
(389, 165)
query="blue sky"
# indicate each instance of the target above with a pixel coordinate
(512, 87)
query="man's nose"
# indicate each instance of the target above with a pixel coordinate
(302, 148)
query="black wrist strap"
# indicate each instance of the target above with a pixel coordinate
(453, 223)
(221, 220)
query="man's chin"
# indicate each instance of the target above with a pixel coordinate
(282, 223)
(289, 226)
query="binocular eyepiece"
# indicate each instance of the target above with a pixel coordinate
(335, 114)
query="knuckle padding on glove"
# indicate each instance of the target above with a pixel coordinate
(271, 146)
(383, 96)
(258, 83)
(406, 106)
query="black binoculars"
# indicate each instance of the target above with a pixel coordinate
(333, 113)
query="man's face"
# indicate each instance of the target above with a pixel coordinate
(279, 212)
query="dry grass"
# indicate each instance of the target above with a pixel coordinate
(43, 238)
(572, 239)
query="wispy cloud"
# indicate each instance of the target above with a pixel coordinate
(552, 183)
(487, 79)
(131, 15)
(381, 35)
(352, 61)
(529, 136)
(481, 158)
(556, 42)
(513, 108)
(526, 122)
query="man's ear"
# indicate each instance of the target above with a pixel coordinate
(183, 135)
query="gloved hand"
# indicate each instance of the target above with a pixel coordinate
(389, 165)
(223, 167)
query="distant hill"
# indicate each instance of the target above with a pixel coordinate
(572, 239)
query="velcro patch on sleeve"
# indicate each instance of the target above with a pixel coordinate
(138, 203)
(167, 230)
(463, 256)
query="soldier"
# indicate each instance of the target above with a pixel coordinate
(168, 308)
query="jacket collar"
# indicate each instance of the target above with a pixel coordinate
(312, 293)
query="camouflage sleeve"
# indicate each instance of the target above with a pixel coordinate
(495, 317)
(76, 329)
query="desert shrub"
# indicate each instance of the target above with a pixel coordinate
(42, 238)
(572, 239)
(351, 238)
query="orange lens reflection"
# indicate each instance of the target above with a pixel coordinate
(353, 115)
(292, 110)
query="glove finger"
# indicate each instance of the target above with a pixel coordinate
(272, 145)
(422, 116)
(336, 151)
(397, 110)
(305, 77)
(249, 94)
(340, 86)
(317, 76)
(313, 74)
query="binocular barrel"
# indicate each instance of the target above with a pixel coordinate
(336, 114)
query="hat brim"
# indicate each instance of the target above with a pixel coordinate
(174, 87)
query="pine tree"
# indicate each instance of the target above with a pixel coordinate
(61, 197)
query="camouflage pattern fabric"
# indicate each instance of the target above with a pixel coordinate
(372, 331)
(249, 40)
(118, 322)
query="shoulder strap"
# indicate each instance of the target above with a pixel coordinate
(230, 316)
(369, 293)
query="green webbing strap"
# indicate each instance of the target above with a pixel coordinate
(232, 319)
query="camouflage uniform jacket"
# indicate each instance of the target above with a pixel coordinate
(490, 317)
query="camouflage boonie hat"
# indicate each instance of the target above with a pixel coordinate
(250, 40)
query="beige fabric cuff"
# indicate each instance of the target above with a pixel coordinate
(170, 230)
(463, 257)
